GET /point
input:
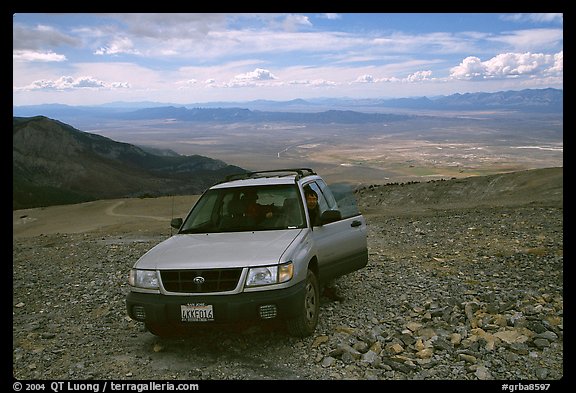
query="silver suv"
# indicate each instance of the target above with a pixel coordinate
(251, 248)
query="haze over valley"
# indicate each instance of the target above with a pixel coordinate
(354, 141)
(395, 151)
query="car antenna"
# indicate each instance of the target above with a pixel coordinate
(172, 215)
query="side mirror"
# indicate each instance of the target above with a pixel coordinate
(176, 223)
(330, 216)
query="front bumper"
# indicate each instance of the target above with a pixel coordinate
(162, 309)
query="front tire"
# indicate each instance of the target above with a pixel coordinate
(305, 323)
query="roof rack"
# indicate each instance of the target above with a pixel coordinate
(300, 172)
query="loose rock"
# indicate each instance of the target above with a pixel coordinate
(459, 294)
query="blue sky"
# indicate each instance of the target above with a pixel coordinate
(87, 59)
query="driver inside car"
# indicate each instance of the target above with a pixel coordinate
(254, 210)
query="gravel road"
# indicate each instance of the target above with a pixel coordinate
(465, 293)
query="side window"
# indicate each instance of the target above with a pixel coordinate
(330, 200)
(336, 197)
(322, 203)
(345, 198)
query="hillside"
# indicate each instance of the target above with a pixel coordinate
(533, 186)
(152, 215)
(54, 163)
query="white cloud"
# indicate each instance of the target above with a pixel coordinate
(470, 68)
(187, 83)
(69, 83)
(273, 21)
(86, 82)
(252, 78)
(40, 36)
(259, 74)
(329, 15)
(419, 76)
(120, 85)
(558, 67)
(366, 78)
(314, 83)
(118, 46)
(509, 65)
(36, 56)
(293, 22)
(535, 17)
(168, 26)
(322, 83)
(527, 40)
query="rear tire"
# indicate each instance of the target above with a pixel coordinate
(305, 323)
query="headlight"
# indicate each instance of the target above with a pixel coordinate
(267, 275)
(143, 279)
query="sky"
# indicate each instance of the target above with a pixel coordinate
(92, 59)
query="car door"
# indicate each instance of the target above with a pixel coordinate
(341, 245)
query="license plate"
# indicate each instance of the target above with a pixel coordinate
(197, 312)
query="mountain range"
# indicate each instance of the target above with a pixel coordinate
(328, 110)
(54, 163)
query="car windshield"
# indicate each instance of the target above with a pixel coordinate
(252, 208)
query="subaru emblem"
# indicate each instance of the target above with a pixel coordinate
(198, 280)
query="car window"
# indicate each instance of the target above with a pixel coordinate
(335, 197)
(235, 209)
(327, 193)
(203, 210)
(322, 202)
(345, 198)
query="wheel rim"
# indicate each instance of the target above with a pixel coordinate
(310, 303)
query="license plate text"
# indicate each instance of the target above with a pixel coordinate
(197, 312)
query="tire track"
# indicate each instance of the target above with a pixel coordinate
(110, 211)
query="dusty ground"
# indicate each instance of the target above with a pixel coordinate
(130, 215)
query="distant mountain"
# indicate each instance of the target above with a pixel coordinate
(235, 115)
(54, 163)
(542, 100)
(527, 100)
(84, 115)
(59, 111)
(312, 111)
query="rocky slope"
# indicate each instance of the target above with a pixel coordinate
(56, 164)
(453, 291)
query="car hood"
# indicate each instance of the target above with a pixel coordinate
(218, 250)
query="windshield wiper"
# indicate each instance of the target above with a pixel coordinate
(190, 231)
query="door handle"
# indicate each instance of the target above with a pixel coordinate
(356, 223)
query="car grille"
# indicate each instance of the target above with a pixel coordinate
(190, 281)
